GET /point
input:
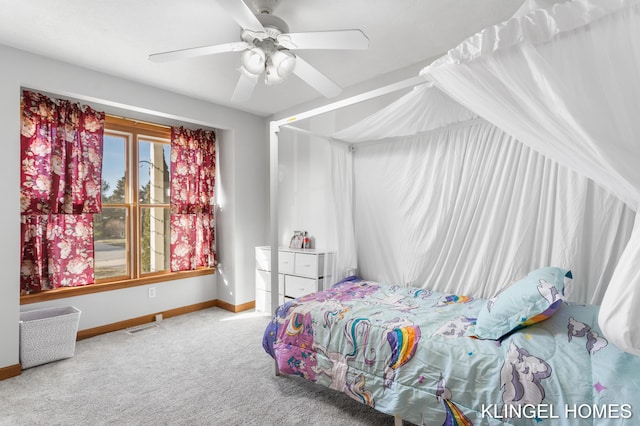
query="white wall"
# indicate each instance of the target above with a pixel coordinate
(113, 306)
(243, 185)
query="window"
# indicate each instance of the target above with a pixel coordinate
(127, 241)
(132, 237)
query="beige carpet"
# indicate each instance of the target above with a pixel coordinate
(203, 368)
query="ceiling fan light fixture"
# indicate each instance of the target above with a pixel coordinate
(250, 76)
(253, 60)
(280, 65)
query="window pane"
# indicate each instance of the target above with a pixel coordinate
(155, 239)
(154, 171)
(113, 169)
(110, 242)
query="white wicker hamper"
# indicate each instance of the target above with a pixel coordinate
(48, 335)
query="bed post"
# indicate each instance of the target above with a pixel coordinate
(397, 420)
(274, 128)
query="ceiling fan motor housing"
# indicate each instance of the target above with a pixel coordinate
(273, 25)
(264, 7)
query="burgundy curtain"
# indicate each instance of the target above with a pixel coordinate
(60, 181)
(193, 170)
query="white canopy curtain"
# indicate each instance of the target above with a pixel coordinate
(341, 201)
(467, 209)
(564, 81)
(424, 108)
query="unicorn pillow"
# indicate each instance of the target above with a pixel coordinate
(532, 299)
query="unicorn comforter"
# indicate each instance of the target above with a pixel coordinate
(403, 351)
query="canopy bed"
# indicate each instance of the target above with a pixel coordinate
(519, 154)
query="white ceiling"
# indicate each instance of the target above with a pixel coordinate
(116, 37)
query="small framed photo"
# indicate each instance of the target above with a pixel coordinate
(297, 240)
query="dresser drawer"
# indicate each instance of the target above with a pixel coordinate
(263, 301)
(307, 265)
(297, 286)
(300, 272)
(263, 258)
(286, 260)
(263, 281)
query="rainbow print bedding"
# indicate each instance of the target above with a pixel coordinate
(404, 351)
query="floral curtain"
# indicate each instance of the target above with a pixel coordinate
(193, 169)
(61, 164)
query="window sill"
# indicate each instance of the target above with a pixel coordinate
(64, 292)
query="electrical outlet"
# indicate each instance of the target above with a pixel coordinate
(152, 292)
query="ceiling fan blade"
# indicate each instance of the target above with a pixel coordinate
(199, 51)
(244, 87)
(315, 78)
(242, 14)
(341, 39)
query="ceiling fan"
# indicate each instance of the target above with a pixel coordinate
(266, 49)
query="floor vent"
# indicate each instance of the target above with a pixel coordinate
(139, 328)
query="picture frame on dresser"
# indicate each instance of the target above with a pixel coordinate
(297, 240)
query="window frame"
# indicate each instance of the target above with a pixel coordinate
(129, 252)
(132, 130)
(139, 205)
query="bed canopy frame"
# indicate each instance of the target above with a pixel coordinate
(275, 128)
(561, 77)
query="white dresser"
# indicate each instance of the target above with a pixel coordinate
(300, 272)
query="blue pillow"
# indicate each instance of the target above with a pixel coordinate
(529, 300)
